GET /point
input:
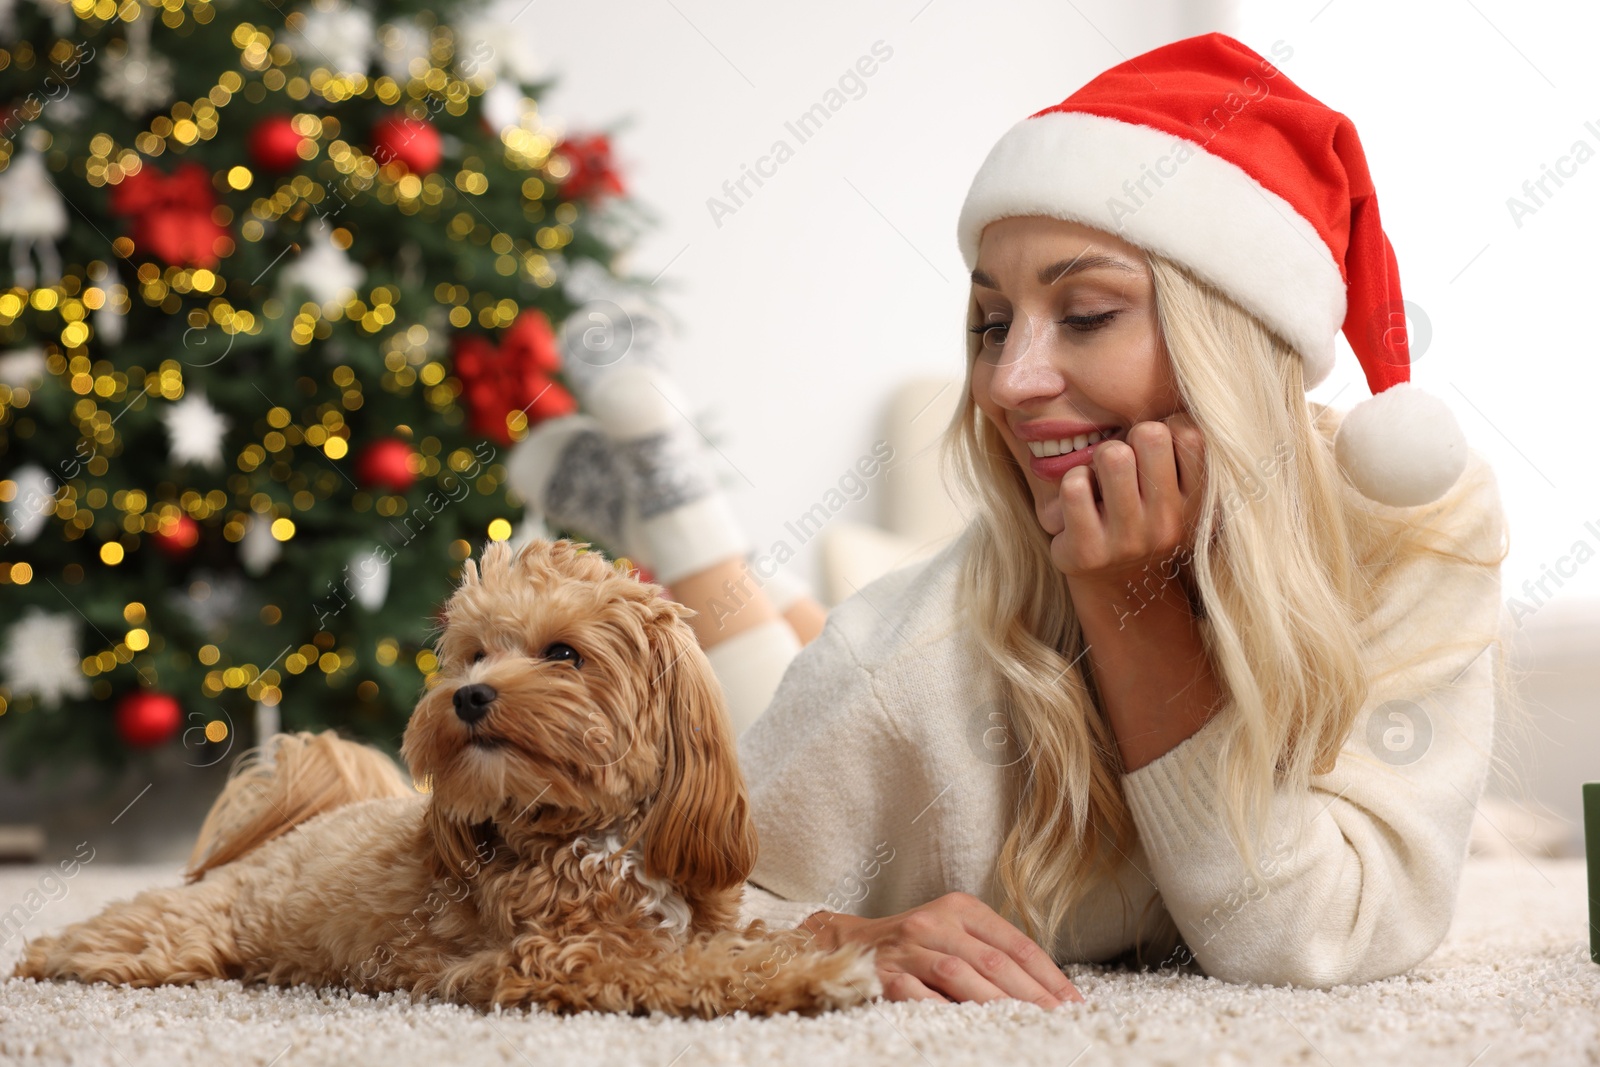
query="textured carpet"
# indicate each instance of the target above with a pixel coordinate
(1512, 983)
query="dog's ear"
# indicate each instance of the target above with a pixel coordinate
(698, 833)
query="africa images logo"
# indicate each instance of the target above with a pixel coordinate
(1399, 732)
(992, 736)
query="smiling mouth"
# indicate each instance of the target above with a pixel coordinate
(1067, 445)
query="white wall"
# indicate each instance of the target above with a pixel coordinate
(1457, 105)
(840, 276)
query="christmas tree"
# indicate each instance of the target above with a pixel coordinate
(286, 284)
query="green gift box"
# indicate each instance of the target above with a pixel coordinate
(1591, 839)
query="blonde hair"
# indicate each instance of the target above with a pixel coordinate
(1284, 580)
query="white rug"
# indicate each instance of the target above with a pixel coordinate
(1511, 983)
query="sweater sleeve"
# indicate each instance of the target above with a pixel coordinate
(778, 912)
(1359, 875)
(820, 764)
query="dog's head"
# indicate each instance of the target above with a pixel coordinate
(572, 697)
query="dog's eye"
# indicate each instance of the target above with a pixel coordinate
(563, 653)
(479, 656)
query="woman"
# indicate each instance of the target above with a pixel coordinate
(1178, 680)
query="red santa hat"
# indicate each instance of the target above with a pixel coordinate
(1204, 152)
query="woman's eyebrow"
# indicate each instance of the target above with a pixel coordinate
(1065, 268)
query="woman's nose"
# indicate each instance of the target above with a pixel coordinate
(1023, 368)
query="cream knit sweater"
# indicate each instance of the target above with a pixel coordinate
(874, 786)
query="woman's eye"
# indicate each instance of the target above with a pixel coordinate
(479, 656)
(986, 333)
(1081, 323)
(561, 652)
(1085, 323)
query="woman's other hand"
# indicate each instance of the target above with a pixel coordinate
(1147, 507)
(951, 949)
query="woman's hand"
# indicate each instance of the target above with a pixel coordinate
(950, 949)
(1147, 508)
(1126, 557)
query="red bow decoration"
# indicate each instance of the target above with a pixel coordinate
(172, 213)
(513, 377)
(592, 174)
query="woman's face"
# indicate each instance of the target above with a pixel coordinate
(1071, 346)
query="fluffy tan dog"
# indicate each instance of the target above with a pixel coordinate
(583, 845)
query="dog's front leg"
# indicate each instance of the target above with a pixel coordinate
(167, 936)
(637, 972)
(533, 971)
(754, 970)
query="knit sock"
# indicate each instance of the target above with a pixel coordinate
(599, 339)
(568, 472)
(749, 665)
(685, 523)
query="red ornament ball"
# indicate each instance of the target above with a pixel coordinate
(176, 540)
(413, 142)
(386, 464)
(275, 144)
(145, 720)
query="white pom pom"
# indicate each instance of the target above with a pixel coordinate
(1402, 447)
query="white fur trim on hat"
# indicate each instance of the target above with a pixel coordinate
(1193, 207)
(1402, 447)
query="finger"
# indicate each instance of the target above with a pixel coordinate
(1189, 445)
(897, 985)
(1082, 526)
(950, 974)
(1164, 506)
(1153, 444)
(989, 927)
(1005, 973)
(1116, 468)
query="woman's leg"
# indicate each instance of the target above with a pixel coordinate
(726, 601)
(798, 607)
(634, 472)
(750, 630)
(748, 642)
(689, 535)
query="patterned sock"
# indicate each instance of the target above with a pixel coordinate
(685, 523)
(601, 337)
(568, 472)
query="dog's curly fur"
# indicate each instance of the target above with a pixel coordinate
(582, 845)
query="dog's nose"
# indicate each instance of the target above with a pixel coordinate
(472, 701)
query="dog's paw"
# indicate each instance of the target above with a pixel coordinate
(35, 955)
(809, 981)
(846, 978)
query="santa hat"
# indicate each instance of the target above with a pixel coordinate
(1204, 152)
